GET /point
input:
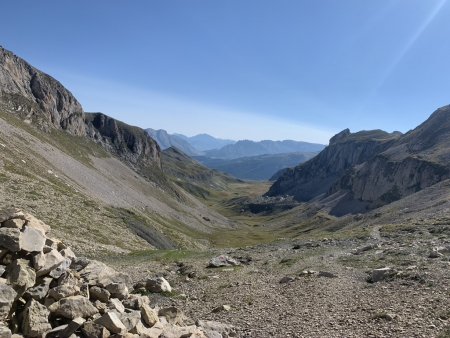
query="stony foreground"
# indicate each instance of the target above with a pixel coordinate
(46, 291)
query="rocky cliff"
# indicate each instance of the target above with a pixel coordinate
(40, 99)
(317, 176)
(132, 144)
(37, 96)
(366, 170)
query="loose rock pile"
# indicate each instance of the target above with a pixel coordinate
(46, 291)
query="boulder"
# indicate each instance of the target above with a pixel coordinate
(20, 275)
(98, 273)
(118, 290)
(98, 293)
(287, 279)
(378, 275)
(116, 304)
(149, 316)
(173, 315)
(14, 223)
(93, 330)
(111, 321)
(63, 291)
(73, 307)
(221, 261)
(222, 308)
(32, 239)
(35, 319)
(157, 285)
(153, 332)
(10, 239)
(61, 268)
(7, 297)
(40, 290)
(135, 302)
(44, 263)
(130, 319)
(33, 222)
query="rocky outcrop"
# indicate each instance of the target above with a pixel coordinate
(37, 96)
(317, 176)
(40, 99)
(41, 296)
(132, 144)
(366, 170)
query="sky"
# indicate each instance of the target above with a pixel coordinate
(243, 69)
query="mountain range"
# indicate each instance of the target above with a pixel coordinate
(245, 159)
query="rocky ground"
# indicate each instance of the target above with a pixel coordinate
(322, 288)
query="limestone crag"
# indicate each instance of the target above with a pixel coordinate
(366, 170)
(46, 291)
(38, 96)
(43, 101)
(132, 144)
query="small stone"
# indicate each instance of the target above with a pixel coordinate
(115, 304)
(40, 290)
(35, 319)
(14, 223)
(157, 285)
(135, 302)
(32, 240)
(380, 274)
(44, 263)
(10, 239)
(20, 275)
(73, 307)
(98, 293)
(61, 268)
(118, 290)
(7, 296)
(111, 322)
(130, 319)
(222, 308)
(287, 279)
(93, 330)
(173, 315)
(221, 261)
(33, 222)
(149, 316)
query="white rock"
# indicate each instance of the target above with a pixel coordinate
(32, 239)
(111, 322)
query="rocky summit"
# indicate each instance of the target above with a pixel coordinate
(46, 291)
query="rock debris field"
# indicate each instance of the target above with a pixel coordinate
(46, 291)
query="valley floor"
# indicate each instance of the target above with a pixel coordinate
(336, 301)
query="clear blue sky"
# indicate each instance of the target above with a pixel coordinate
(238, 69)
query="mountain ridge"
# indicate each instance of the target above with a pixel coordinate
(369, 169)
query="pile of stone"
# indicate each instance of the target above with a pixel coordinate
(46, 291)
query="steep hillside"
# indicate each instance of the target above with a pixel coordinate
(257, 168)
(166, 140)
(366, 170)
(246, 148)
(191, 175)
(97, 179)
